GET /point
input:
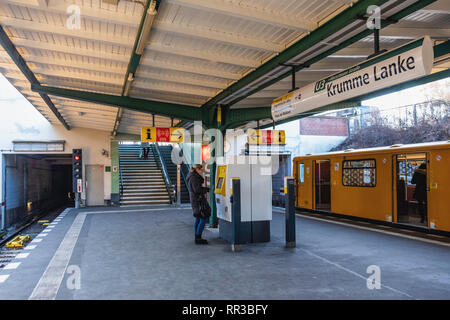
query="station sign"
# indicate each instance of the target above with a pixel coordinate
(257, 136)
(154, 134)
(408, 62)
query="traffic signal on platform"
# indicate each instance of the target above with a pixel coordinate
(77, 167)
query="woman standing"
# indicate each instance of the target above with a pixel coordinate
(200, 206)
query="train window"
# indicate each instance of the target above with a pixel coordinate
(301, 172)
(359, 173)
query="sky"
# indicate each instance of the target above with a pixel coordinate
(14, 105)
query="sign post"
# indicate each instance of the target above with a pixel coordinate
(155, 134)
(411, 61)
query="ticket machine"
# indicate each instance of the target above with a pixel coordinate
(255, 174)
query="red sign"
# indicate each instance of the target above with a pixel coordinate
(206, 152)
(163, 134)
(266, 137)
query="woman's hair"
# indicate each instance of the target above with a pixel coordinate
(196, 166)
(423, 166)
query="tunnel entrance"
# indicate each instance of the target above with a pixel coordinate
(34, 184)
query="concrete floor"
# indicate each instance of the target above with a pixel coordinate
(149, 253)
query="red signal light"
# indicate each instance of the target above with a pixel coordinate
(77, 158)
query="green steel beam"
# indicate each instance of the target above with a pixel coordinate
(178, 111)
(135, 59)
(322, 32)
(396, 17)
(442, 49)
(11, 49)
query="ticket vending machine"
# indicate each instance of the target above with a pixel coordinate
(255, 174)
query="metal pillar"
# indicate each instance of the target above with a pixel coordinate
(178, 185)
(236, 215)
(213, 221)
(290, 214)
(77, 200)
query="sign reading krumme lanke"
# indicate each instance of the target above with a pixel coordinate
(402, 64)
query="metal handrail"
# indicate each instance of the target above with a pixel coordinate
(185, 168)
(162, 165)
(120, 180)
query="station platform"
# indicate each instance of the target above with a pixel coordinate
(149, 253)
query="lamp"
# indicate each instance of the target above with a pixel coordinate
(145, 32)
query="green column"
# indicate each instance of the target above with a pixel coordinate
(115, 176)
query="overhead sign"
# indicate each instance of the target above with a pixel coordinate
(411, 61)
(154, 134)
(266, 137)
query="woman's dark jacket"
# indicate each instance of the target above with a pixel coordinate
(199, 203)
(420, 180)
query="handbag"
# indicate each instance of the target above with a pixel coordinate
(205, 209)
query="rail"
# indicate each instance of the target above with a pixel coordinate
(185, 168)
(162, 165)
(120, 182)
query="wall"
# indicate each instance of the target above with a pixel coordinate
(21, 121)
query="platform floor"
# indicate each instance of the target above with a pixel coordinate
(149, 253)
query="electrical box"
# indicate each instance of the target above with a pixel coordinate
(255, 174)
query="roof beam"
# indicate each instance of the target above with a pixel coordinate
(195, 69)
(101, 37)
(21, 64)
(204, 55)
(68, 63)
(172, 87)
(218, 36)
(181, 78)
(94, 53)
(414, 33)
(166, 109)
(90, 12)
(253, 13)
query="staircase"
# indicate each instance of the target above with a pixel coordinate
(142, 180)
(166, 154)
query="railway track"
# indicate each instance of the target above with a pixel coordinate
(33, 229)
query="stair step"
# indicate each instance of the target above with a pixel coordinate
(145, 197)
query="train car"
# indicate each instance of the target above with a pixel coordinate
(399, 184)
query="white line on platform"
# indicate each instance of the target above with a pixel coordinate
(30, 247)
(42, 235)
(48, 286)
(136, 210)
(372, 229)
(352, 272)
(50, 227)
(12, 265)
(22, 255)
(36, 240)
(47, 230)
(4, 277)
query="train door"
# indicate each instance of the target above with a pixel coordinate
(322, 185)
(411, 188)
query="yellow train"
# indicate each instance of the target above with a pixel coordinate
(400, 184)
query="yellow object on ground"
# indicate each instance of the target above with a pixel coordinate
(18, 241)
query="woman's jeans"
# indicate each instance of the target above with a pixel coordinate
(199, 225)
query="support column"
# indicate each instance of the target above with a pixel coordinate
(213, 221)
(290, 214)
(236, 215)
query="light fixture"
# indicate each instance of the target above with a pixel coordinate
(128, 84)
(145, 32)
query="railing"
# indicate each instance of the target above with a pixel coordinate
(185, 168)
(162, 165)
(120, 180)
